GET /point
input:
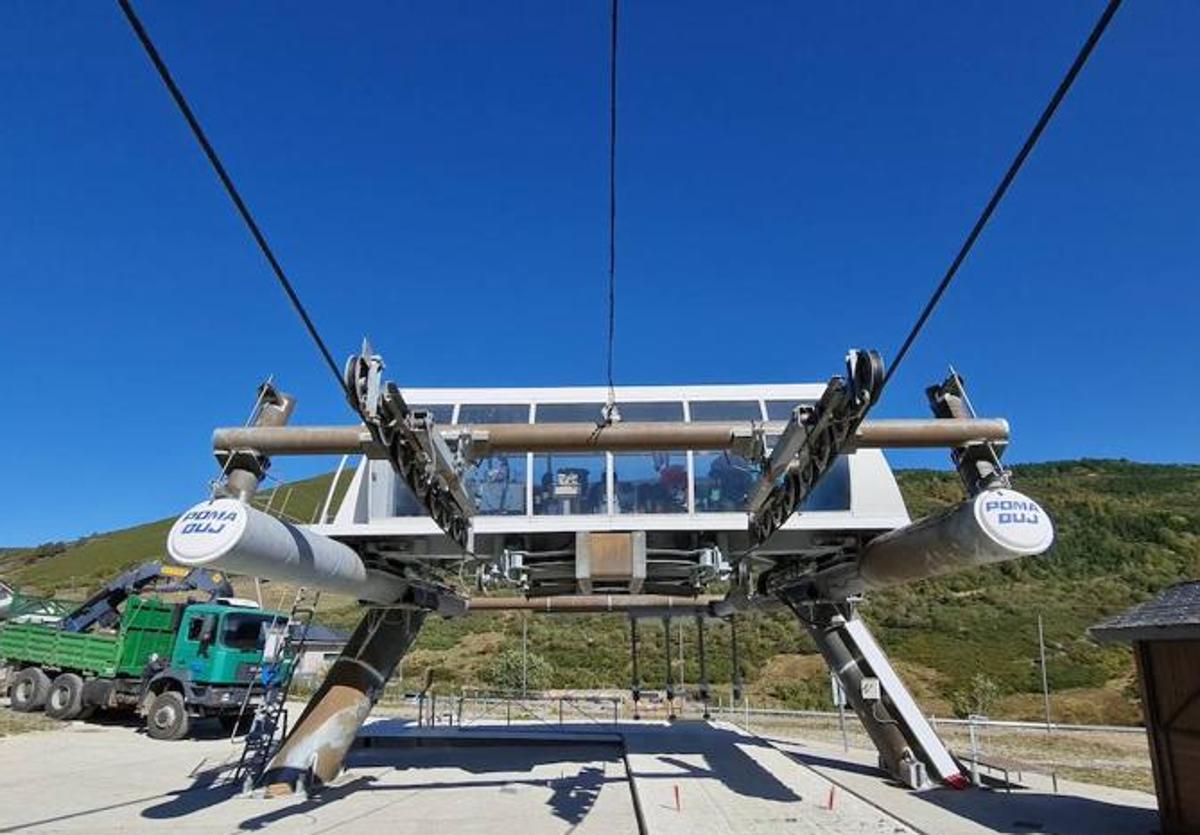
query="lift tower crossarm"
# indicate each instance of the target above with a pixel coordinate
(811, 443)
(503, 439)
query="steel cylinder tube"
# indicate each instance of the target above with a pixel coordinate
(243, 540)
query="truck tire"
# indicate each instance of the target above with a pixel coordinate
(29, 690)
(167, 717)
(65, 700)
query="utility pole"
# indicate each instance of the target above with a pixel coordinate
(1045, 680)
(681, 670)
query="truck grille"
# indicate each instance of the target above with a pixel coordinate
(247, 672)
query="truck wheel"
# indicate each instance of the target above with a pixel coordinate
(167, 717)
(29, 690)
(66, 697)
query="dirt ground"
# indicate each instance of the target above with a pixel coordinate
(12, 724)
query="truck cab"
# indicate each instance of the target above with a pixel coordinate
(220, 644)
(215, 664)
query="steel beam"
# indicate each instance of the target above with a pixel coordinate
(909, 749)
(316, 747)
(497, 439)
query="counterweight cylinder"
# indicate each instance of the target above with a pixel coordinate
(243, 540)
(994, 526)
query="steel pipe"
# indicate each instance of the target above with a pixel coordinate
(498, 439)
(639, 604)
(296, 440)
(929, 432)
(227, 534)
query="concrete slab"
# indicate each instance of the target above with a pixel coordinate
(87, 778)
(1033, 806)
(534, 778)
(729, 781)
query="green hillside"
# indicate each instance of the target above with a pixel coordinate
(1125, 531)
(70, 568)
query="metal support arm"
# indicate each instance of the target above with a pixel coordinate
(811, 442)
(412, 444)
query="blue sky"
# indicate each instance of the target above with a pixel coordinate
(793, 180)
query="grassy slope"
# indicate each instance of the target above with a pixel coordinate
(73, 568)
(1124, 531)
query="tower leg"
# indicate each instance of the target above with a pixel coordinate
(909, 749)
(318, 743)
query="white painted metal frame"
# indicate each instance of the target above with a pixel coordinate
(875, 500)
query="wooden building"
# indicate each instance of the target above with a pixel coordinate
(1165, 633)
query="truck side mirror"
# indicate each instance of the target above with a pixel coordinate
(208, 633)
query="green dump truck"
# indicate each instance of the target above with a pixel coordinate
(170, 662)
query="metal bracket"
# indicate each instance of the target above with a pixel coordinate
(811, 442)
(978, 463)
(413, 444)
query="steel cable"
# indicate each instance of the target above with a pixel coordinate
(1013, 169)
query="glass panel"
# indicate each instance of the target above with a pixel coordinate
(569, 412)
(643, 412)
(406, 502)
(654, 482)
(712, 410)
(782, 409)
(569, 484)
(498, 485)
(245, 631)
(505, 413)
(723, 481)
(442, 412)
(833, 491)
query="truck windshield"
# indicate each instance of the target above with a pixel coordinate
(245, 630)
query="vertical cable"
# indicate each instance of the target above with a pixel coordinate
(612, 200)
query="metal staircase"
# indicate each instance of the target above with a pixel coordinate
(269, 724)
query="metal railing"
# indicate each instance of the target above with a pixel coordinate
(727, 711)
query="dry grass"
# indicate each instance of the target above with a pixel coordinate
(12, 723)
(1114, 759)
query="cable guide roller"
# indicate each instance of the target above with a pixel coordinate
(413, 445)
(811, 442)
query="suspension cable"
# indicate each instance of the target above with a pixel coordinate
(1063, 87)
(612, 200)
(165, 74)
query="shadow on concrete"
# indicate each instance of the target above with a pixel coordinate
(330, 794)
(724, 752)
(656, 752)
(1023, 812)
(839, 765)
(572, 796)
(209, 787)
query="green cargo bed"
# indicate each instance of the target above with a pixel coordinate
(147, 630)
(49, 646)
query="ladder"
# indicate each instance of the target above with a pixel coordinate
(269, 725)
